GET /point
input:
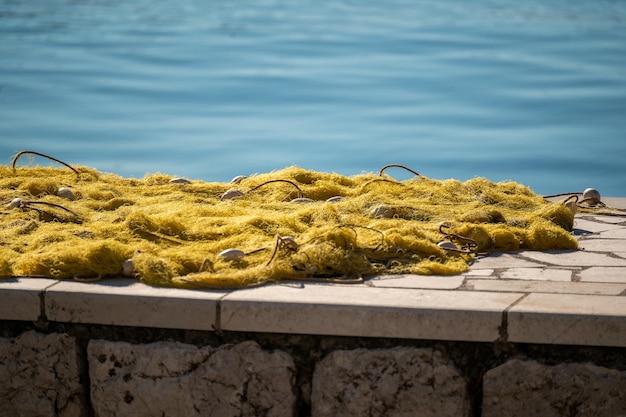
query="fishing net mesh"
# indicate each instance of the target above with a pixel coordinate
(278, 226)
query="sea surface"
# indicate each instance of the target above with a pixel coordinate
(530, 91)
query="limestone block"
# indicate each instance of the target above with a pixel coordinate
(40, 376)
(388, 382)
(175, 379)
(528, 389)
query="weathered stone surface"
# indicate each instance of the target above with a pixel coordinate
(528, 389)
(388, 382)
(175, 379)
(40, 376)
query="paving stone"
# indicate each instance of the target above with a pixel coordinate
(40, 376)
(592, 225)
(481, 273)
(20, 298)
(439, 282)
(388, 382)
(615, 202)
(620, 219)
(618, 233)
(504, 260)
(176, 379)
(528, 389)
(568, 319)
(556, 287)
(541, 274)
(574, 258)
(603, 245)
(603, 274)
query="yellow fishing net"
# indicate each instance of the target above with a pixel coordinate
(289, 224)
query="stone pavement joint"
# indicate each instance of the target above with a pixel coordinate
(504, 328)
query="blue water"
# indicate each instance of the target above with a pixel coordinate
(531, 91)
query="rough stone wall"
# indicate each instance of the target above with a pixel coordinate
(388, 382)
(526, 389)
(175, 379)
(41, 375)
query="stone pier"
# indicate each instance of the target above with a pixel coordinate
(521, 334)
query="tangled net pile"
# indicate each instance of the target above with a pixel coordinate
(291, 224)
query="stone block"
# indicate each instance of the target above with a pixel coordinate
(569, 319)
(361, 310)
(127, 302)
(401, 381)
(40, 376)
(528, 389)
(175, 379)
(20, 298)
